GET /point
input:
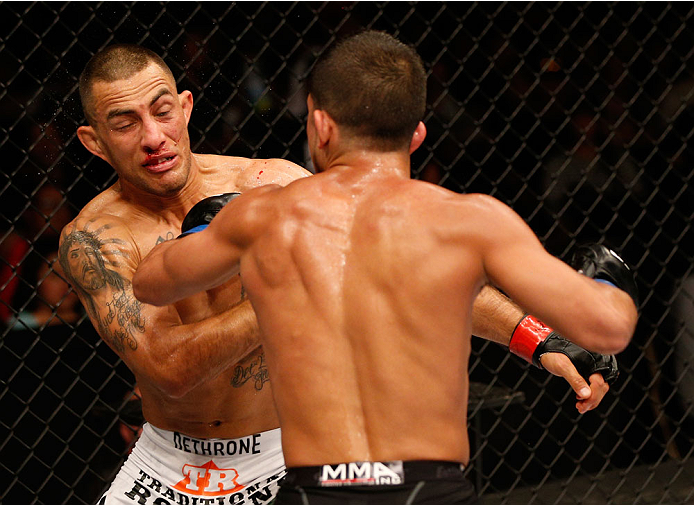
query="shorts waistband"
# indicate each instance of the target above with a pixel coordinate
(373, 473)
(257, 443)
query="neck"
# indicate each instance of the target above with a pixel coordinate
(390, 163)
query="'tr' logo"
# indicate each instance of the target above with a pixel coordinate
(208, 480)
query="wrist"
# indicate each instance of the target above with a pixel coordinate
(195, 229)
(528, 334)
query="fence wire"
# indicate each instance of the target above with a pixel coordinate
(578, 115)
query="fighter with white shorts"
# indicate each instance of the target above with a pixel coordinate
(168, 468)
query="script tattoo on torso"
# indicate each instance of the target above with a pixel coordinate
(253, 370)
(90, 264)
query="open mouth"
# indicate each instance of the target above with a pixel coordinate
(159, 164)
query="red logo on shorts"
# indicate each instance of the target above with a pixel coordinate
(208, 480)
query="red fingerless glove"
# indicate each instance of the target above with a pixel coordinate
(529, 333)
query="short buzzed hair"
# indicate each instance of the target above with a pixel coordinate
(374, 85)
(115, 62)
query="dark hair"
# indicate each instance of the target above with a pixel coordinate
(374, 85)
(115, 62)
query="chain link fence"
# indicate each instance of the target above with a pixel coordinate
(578, 115)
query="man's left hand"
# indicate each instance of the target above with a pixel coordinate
(590, 395)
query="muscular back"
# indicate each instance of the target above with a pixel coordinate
(374, 286)
(364, 282)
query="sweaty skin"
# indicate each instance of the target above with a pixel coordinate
(198, 363)
(363, 282)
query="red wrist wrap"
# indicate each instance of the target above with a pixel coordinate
(527, 336)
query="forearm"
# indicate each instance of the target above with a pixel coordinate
(171, 272)
(152, 341)
(188, 355)
(494, 316)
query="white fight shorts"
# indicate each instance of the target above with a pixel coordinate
(169, 468)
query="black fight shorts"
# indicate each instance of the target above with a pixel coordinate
(378, 483)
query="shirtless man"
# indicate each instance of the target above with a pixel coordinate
(363, 282)
(211, 430)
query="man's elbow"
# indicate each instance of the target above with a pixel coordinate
(173, 384)
(173, 375)
(626, 327)
(616, 331)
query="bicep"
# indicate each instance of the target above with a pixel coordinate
(99, 263)
(125, 323)
(206, 259)
(588, 313)
(516, 261)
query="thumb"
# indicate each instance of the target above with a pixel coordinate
(561, 365)
(578, 384)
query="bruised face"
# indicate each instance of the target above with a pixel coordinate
(141, 129)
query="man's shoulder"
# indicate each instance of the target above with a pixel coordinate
(103, 218)
(259, 172)
(105, 206)
(97, 227)
(454, 210)
(236, 173)
(216, 162)
(447, 197)
(277, 165)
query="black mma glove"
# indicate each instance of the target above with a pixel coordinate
(604, 265)
(203, 212)
(532, 338)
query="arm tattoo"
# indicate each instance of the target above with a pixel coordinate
(88, 263)
(254, 370)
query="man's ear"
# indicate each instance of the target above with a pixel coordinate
(418, 137)
(90, 140)
(325, 127)
(186, 100)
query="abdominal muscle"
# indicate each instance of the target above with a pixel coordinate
(215, 409)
